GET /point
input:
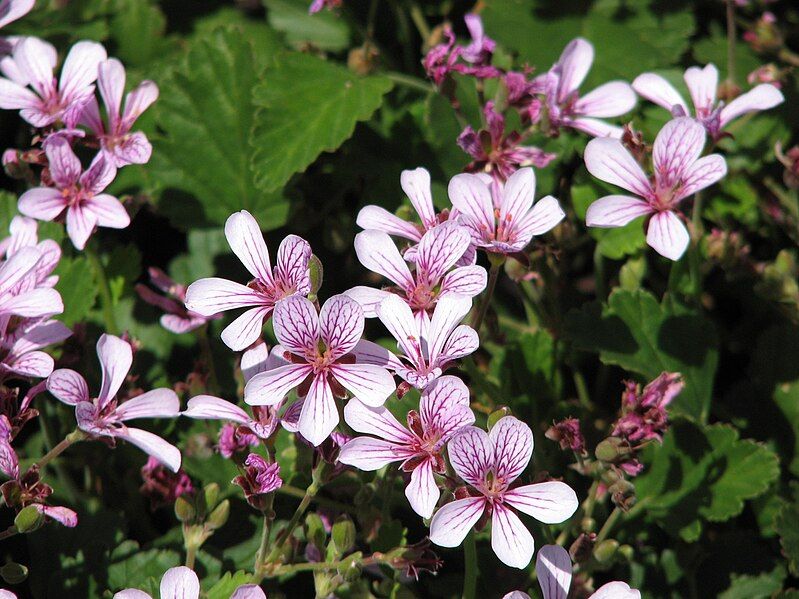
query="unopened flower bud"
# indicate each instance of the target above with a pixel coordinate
(582, 548)
(343, 535)
(627, 552)
(28, 519)
(219, 516)
(184, 510)
(350, 571)
(14, 573)
(606, 550)
(497, 415)
(211, 492)
(316, 273)
(612, 450)
(622, 493)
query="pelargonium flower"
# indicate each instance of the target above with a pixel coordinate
(566, 108)
(643, 414)
(51, 102)
(490, 463)
(248, 429)
(506, 223)
(24, 232)
(481, 48)
(77, 193)
(679, 173)
(497, 153)
(289, 276)
(429, 345)
(21, 347)
(703, 84)
(177, 318)
(21, 293)
(182, 583)
(443, 410)
(443, 59)
(326, 350)
(260, 478)
(104, 416)
(434, 276)
(11, 10)
(554, 568)
(119, 145)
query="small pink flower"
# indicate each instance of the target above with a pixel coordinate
(566, 108)
(21, 348)
(443, 59)
(119, 145)
(182, 583)
(25, 290)
(703, 84)
(679, 173)
(508, 226)
(50, 102)
(325, 349)
(490, 463)
(429, 345)
(318, 5)
(103, 416)
(259, 478)
(177, 318)
(77, 193)
(434, 277)
(443, 410)
(479, 51)
(497, 153)
(289, 277)
(643, 414)
(554, 568)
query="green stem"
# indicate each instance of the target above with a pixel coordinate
(410, 82)
(74, 436)
(260, 556)
(493, 275)
(287, 532)
(191, 555)
(695, 258)
(376, 558)
(105, 290)
(731, 39)
(608, 525)
(469, 566)
(9, 532)
(208, 359)
(421, 23)
(323, 501)
(599, 275)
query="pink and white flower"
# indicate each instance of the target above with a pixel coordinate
(325, 349)
(428, 345)
(77, 193)
(24, 233)
(703, 84)
(11, 10)
(433, 278)
(24, 291)
(554, 568)
(21, 348)
(507, 222)
(564, 105)
(490, 463)
(443, 411)
(679, 173)
(182, 583)
(119, 145)
(289, 277)
(50, 101)
(104, 416)
(177, 319)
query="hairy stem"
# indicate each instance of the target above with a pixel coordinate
(608, 525)
(74, 436)
(469, 566)
(410, 82)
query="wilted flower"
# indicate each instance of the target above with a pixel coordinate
(76, 193)
(765, 35)
(177, 319)
(479, 51)
(48, 103)
(679, 173)
(162, 486)
(703, 85)
(326, 350)
(490, 463)
(429, 345)
(28, 489)
(443, 59)
(497, 153)
(443, 410)
(767, 73)
(289, 276)
(643, 414)
(506, 223)
(119, 145)
(567, 433)
(182, 583)
(433, 278)
(104, 416)
(565, 107)
(260, 477)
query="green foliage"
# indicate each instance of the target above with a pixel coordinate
(787, 524)
(324, 30)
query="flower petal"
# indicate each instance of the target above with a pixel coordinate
(416, 185)
(440, 248)
(158, 403)
(34, 303)
(44, 203)
(367, 382)
(270, 387)
(139, 100)
(65, 167)
(34, 57)
(111, 85)
(68, 386)
(80, 69)
(452, 522)
(467, 281)
(573, 65)
(291, 265)
(208, 407)
(14, 96)
(676, 148)
(702, 173)
(448, 314)
(341, 322)
(379, 422)
(368, 352)
(471, 196)
(461, 342)
(761, 97)
(33, 363)
(422, 491)
(14, 9)
(296, 324)
(512, 440)
(702, 85)
(510, 539)
(368, 298)
(656, 89)
(375, 218)
(667, 235)
(471, 454)
(245, 330)
(397, 317)
(80, 225)
(153, 445)
(248, 591)
(554, 568)
(116, 358)
(247, 242)
(109, 211)
(210, 296)
(369, 454)
(608, 160)
(616, 211)
(319, 415)
(544, 216)
(180, 583)
(609, 100)
(616, 590)
(377, 252)
(550, 502)
(517, 196)
(594, 127)
(444, 407)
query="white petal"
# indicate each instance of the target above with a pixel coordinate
(467, 281)
(656, 89)
(702, 173)
(319, 415)
(68, 386)
(702, 84)
(422, 491)
(667, 235)
(116, 358)
(208, 297)
(608, 160)
(341, 324)
(368, 297)
(554, 568)
(573, 65)
(471, 454)
(377, 252)
(158, 403)
(296, 324)
(368, 454)
(676, 148)
(180, 583)
(615, 211)
(609, 100)
(208, 407)
(510, 539)
(247, 242)
(379, 422)
(369, 383)
(245, 329)
(544, 216)
(452, 523)
(512, 440)
(550, 502)
(416, 185)
(761, 97)
(375, 218)
(439, 249)
(270, 387)
(153, 445)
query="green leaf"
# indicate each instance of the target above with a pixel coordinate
(207, 116)
(138, 28)
(309, 106)
(133, 568)
(760, 586)
(637, 333)
(226, 585)
(702, 474)
(787, 525)
(77, 287)
(325, 30)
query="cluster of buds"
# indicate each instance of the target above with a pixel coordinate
(201, 514)
(764, 35)
(161, 485)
